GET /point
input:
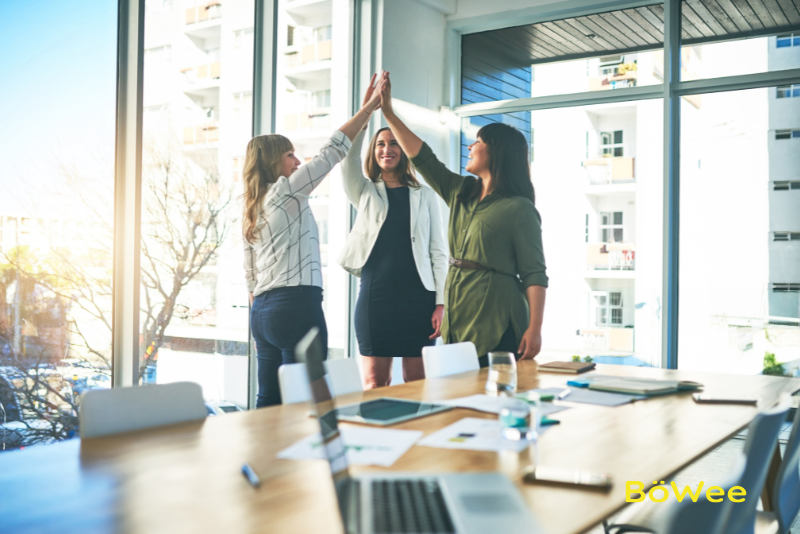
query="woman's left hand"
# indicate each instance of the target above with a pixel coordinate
(436, 320)
(530, 345)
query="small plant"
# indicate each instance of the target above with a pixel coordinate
(588, 359)
(576, 358)
(772, 367)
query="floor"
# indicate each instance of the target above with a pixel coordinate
(714, 465)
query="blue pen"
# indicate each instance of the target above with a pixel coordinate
(251, 475)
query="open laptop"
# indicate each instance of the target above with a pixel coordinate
(399, 503)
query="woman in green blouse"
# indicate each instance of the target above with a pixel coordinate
(495, 288)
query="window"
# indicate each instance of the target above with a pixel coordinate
(788, 91)
(243, 39)
(787, 40)
(57, 217)
(193, 294)
(586, 230)
(322, 99)
(322, 34)
(611, 230)
(611, 144)
(608, 308)
(785, 288)
(786, 236)
(290, 35)
(787, 134)
(786, 186)
(608, 65)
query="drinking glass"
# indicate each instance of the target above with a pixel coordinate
(502, 373)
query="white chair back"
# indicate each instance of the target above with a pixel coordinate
(704, 517)
(444, 360)
(110, 411)
(294, 383)
(762, 436)
(787, 485)
(344, 376)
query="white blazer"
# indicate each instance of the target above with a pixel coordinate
(369, 198)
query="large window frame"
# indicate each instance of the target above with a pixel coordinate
(128, 165)
(671, 91)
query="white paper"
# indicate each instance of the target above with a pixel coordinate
(473, 434)
(489, 404)
(365, 446)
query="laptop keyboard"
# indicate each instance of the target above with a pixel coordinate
(409, 506)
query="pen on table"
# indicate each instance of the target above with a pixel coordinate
(564, 393)
(251, 475)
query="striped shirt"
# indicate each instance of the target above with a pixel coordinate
(286, 249)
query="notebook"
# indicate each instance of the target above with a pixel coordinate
(567, 367)
(643, 386)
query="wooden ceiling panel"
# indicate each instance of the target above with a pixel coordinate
(639, 29)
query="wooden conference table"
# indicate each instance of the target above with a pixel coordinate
(186, 478)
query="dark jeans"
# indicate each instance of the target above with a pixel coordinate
(508, 343)
(279, 319)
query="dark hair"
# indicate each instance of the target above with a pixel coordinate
(508, 164)
(373, 170)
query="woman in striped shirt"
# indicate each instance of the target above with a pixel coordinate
(281, 245)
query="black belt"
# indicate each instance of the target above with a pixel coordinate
(464, 264)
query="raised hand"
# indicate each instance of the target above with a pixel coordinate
(372, 98)
(386, 94)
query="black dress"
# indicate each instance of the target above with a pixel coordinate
(394, 310)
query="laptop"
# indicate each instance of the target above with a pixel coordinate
(399, 503)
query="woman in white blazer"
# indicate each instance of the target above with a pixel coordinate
(397, 248)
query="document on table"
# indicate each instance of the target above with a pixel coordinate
(488, 404)
(365, 446)
(590, 396)
(473, 434)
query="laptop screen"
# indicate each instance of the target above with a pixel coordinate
(309, 351)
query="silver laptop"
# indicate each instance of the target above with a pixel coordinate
(399, 503)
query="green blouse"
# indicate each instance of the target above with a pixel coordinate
(501, 233)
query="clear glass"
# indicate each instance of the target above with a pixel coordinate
(597, 172)
(56, 214)
(198, 94)
(739, 302)
(502, 373)
(312, 55)
(745, 56)
(605, 73)
(516, 419)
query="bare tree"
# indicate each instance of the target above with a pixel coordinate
(185, 221)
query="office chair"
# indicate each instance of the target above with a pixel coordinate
(111, 411)
(342, 376)
(444, 360)
(762, 436)
(703, 516)
(786, 491)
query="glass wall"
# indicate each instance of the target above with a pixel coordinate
(198, 95)
(56, 214)
(312, 100)
(597, 173)
(740, 285)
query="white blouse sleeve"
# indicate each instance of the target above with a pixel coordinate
(305, 179)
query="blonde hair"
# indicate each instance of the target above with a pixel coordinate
(373, 170)
(262, 168)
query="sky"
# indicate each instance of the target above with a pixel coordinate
(58, 92)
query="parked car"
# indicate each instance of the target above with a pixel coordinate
(222, 407)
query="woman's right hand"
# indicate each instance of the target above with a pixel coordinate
(386, 95)
(372, 98)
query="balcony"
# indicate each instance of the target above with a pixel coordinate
(318, 119)
(615, 258)
(201, 135)
(605, 171)
(616, 340)
(211, 10)
(209, 71)
(613, 81)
